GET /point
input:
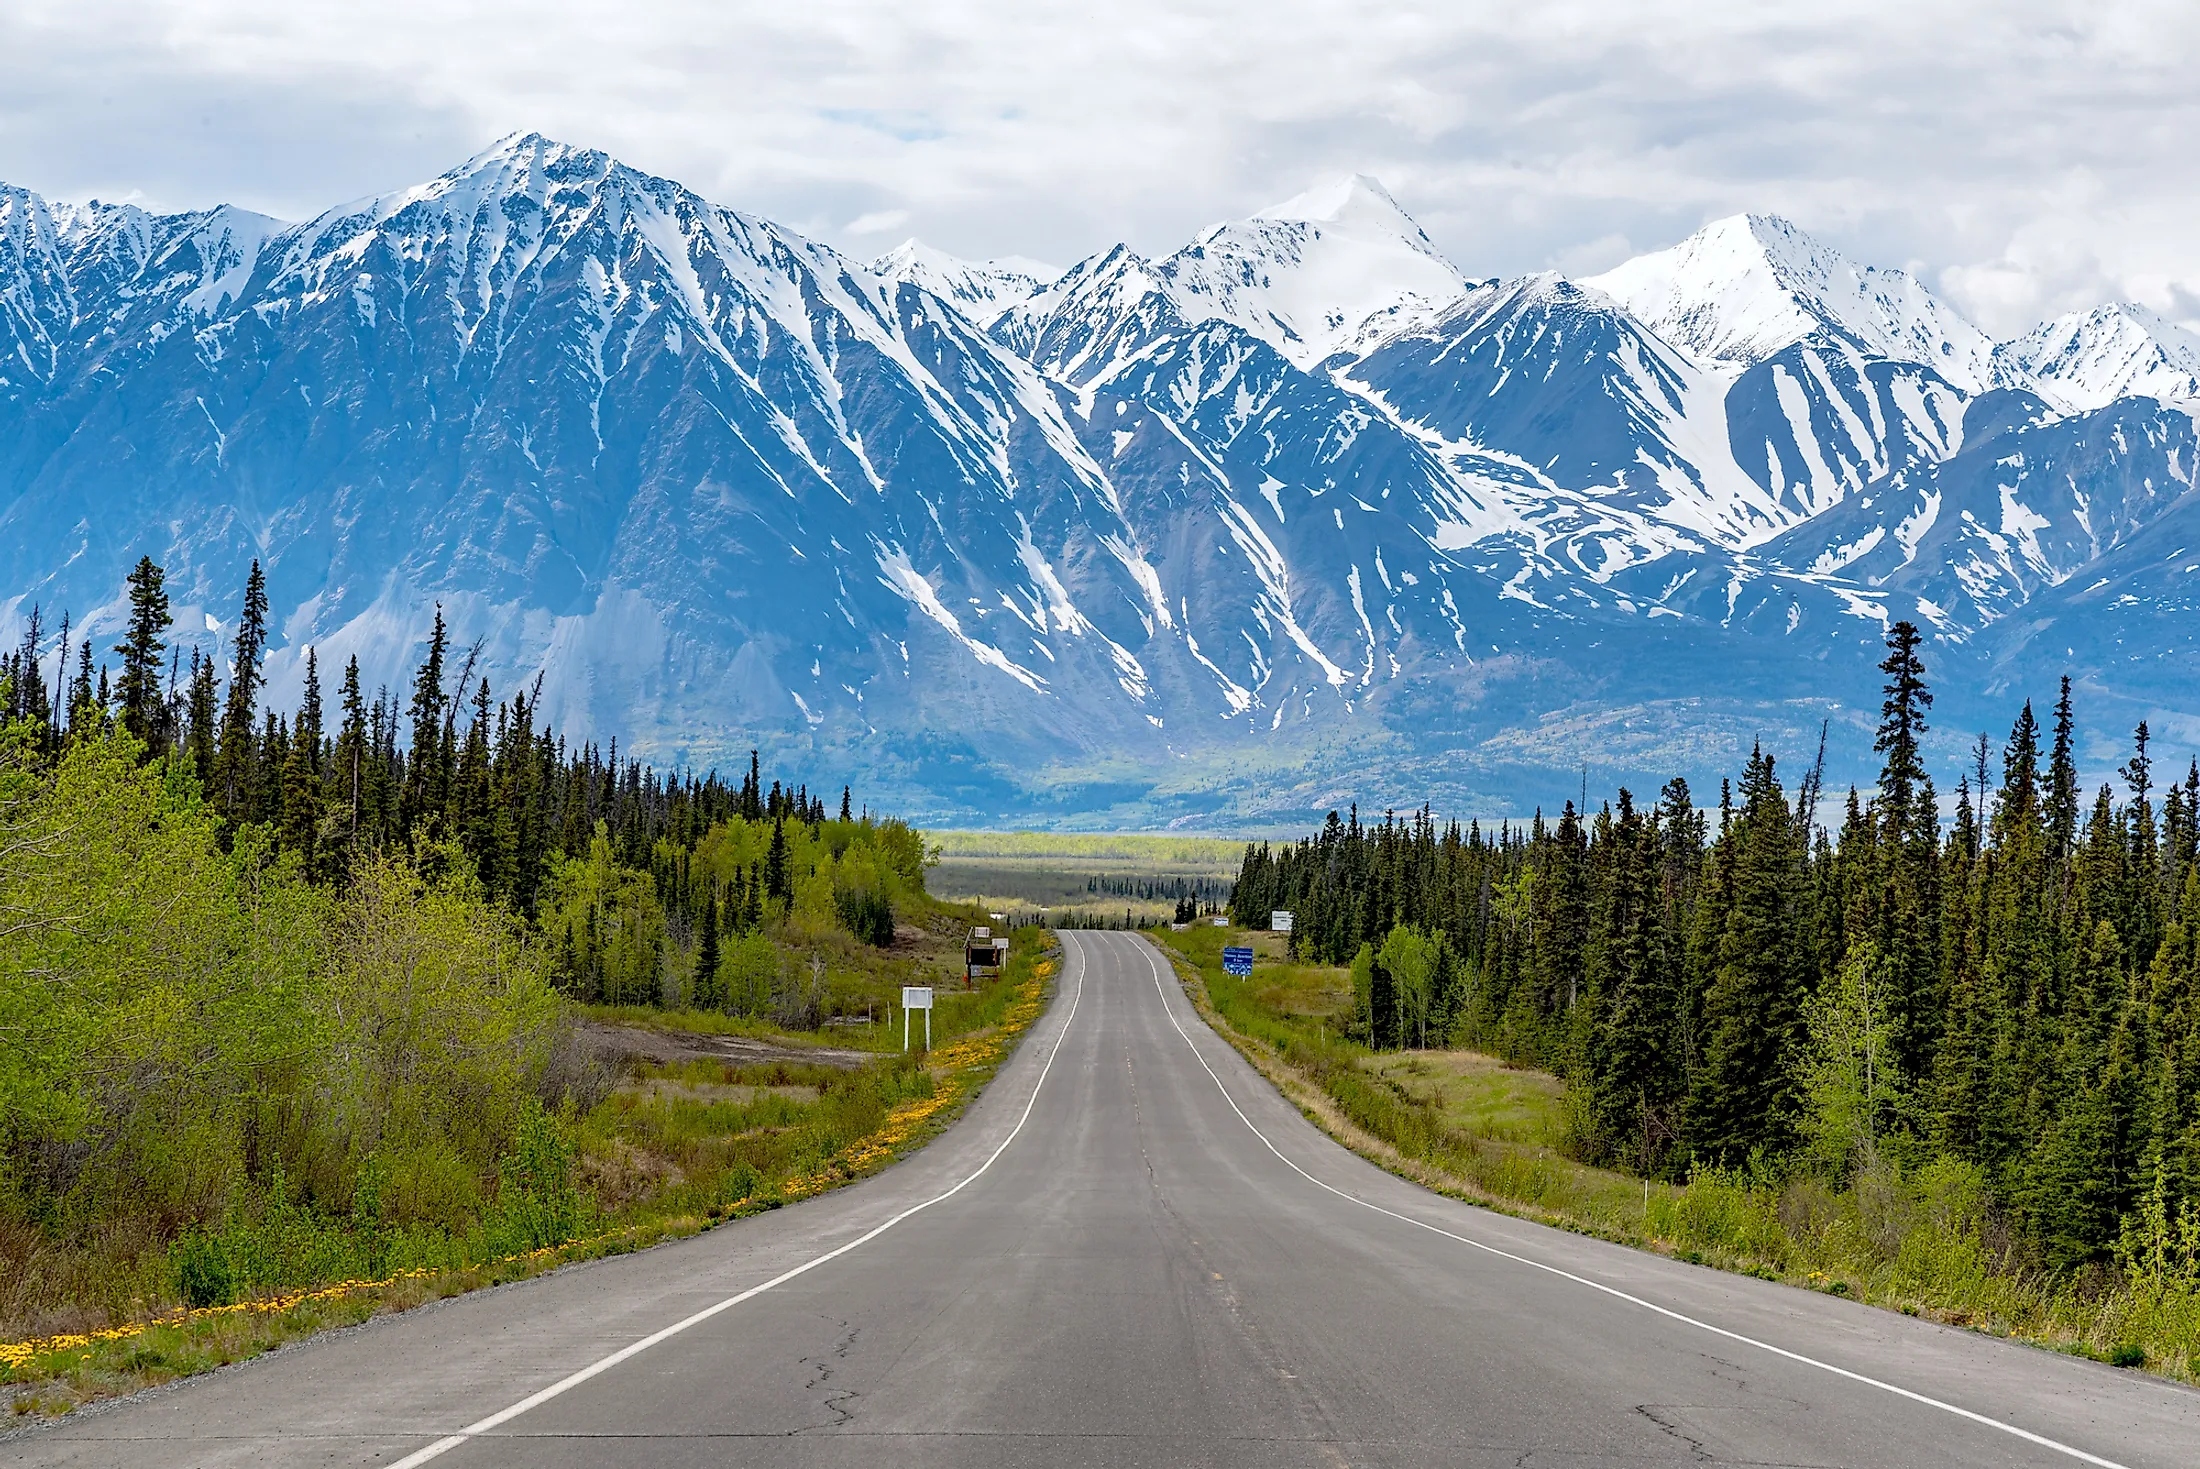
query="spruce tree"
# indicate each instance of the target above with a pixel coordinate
(778, 882)
(1901, 725)
(1382, 1006)
(1902, 902)
(302, 787)
(473, 791)
(346, 776)
(234, 774)
(2019, 802)
(424, 790)
(2073, 1191)
(2062, 777)
(144, 640)
(1636, 1078)
(1743, 1097)
(202, 713)
(1562, 929)
(705, 992)
(85, 709)
(273, 757)
(61, 679)
(31, 700)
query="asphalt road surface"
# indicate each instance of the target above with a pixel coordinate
(1132, 1251)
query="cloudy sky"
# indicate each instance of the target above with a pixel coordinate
(2026, 158)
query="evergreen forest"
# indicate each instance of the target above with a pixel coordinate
(1778, 984)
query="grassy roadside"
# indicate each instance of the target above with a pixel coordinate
(1465, 1125)
(677, 1148)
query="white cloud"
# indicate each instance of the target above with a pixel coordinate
(878, 221)
(2026, 154)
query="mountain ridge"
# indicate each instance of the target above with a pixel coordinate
(1190, 539)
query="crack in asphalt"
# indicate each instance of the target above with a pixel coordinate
(821, 1368)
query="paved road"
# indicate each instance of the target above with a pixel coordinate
(1161, 1263)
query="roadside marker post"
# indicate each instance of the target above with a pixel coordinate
(1237, 960)
(916, 997)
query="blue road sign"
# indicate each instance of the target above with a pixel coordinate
(1236, 960)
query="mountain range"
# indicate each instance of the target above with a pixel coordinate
(1296, 515)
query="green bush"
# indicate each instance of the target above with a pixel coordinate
(538, 1203)
(203, 1276)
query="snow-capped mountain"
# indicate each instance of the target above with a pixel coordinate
(1294, 514)
(2090, 359)
(979, 289)
(1337, 267)
(1739, 290)
(1593, 425)
(614, 423)
(1840, 373)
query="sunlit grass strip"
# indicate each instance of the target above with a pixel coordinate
(16, 1355)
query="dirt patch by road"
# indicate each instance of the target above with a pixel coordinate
(623, 1042)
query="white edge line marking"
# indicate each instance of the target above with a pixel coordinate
(1901, 1392)
(566, 1384)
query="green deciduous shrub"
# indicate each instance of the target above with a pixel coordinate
(208, 1062)
(538, 1203)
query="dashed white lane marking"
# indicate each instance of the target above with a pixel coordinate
(594, 1369)
(1901, 1392)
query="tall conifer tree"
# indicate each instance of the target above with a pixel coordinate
(235, 777)
(144, 710)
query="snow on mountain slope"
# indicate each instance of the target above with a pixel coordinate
(1819, 419)
(91, 278)
(980, 289)
(1099, 314)
(2089, 359)
(1577, 404)
(2126, 625)
(561, 391)
(2031, 499)
(721, 483)
(1271, 493)
(1742, 288)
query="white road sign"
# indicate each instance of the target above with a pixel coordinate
(916, 997)
(1280, 920)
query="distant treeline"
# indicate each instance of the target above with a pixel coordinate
(1163, 889)
(2018, 992)
(1093, 918)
